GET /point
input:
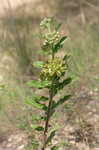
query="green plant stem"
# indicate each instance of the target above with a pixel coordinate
(48, 116)
(48, 111)
(52, 55)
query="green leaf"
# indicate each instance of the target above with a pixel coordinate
(65, 82)
(35, 117)
(33, 126)
(38, 64)
(38, 98)
(43, 98)
(36, 127)
(54, 148)
(66, 57)
(39, 128)
(49, 139)
(60, 44)
(36, 104)
(61, 101)
(58, 26)
(38, 84)
(61, 85)
(62, 40)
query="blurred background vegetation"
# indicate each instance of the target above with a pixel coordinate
(20, 45)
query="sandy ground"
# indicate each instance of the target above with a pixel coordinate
(14, 141)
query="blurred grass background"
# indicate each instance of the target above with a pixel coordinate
(20, 45)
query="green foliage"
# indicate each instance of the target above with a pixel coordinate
(38, 128)
(38, 64)
(49, 139)
(54, 148)
(60, 85)
(60, 44)
(38, 84)
(61, 101)
(52, 77)
(36, 104)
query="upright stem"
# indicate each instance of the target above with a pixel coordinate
(48, 116)
(52, 55)
(48, 112)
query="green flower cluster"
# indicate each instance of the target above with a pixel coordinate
(50, 39)
(45, 22)
(53, 68)
(51, 36)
